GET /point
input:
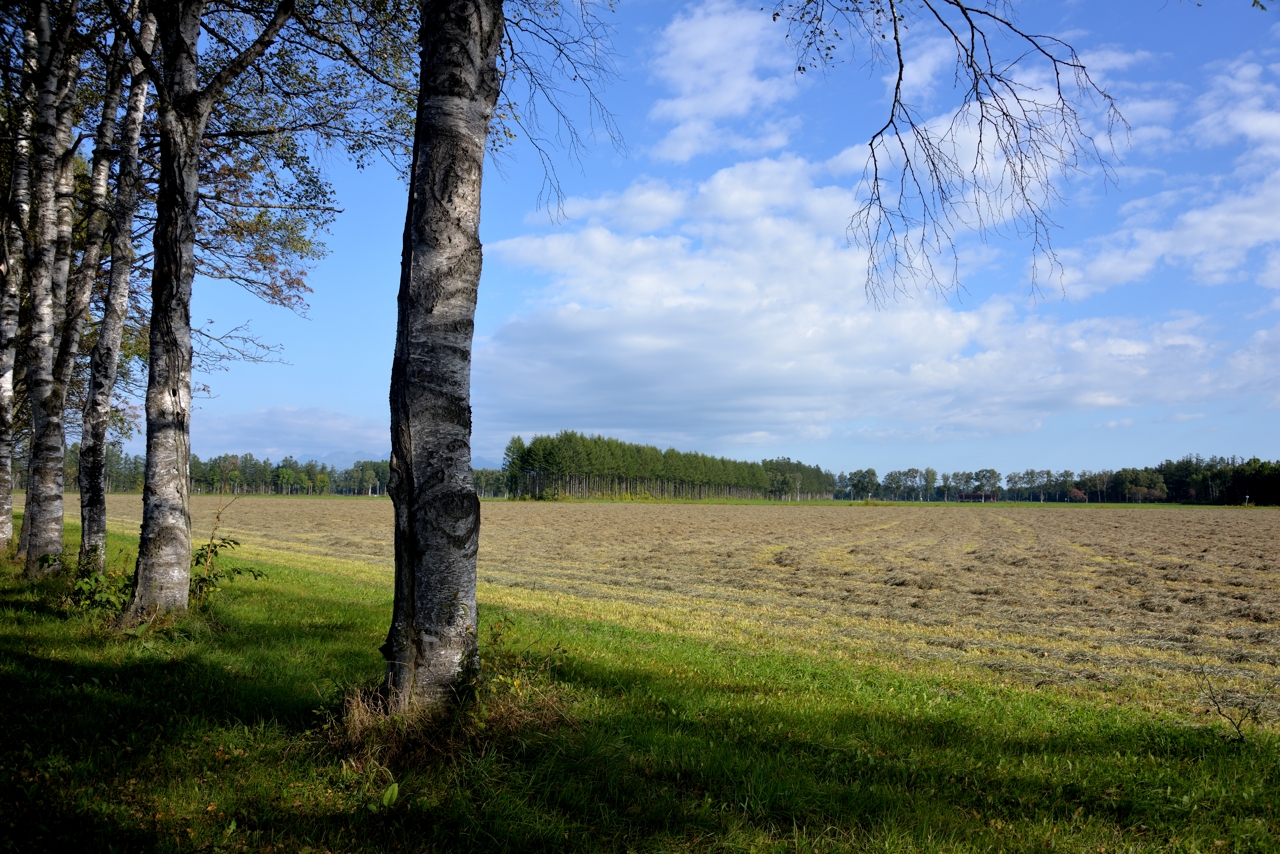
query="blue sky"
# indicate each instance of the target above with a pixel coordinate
(700, 291)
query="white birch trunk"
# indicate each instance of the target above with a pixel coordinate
(55, 85)
(105, 359)
(431, 646)
(14, 271)
(163, 577)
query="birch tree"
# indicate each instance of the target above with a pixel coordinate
(432, 642)
(21, 59)
(184, 104)
(238, 199)
(104, 361)
(53, 352)
(473, 55)
(48, 102)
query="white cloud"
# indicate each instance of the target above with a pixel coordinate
(1112, 58)
(646, 205)
(724, 61)
(1218, 221)
(744, 318)
(925, 61)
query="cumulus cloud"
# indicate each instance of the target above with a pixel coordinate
(729, 313)
(742, 319)
(1211, 225)
(724, 62)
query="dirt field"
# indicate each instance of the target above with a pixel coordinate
(1142, 599)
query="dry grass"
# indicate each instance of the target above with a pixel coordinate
(354, 529)
(1136, 602)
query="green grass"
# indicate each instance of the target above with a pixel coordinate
(223, 732)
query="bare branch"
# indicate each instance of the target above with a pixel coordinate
(994, 162)
(555, 52)
(212, 352)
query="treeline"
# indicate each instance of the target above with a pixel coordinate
(575, 465)
(240, 474)
(1190, 480)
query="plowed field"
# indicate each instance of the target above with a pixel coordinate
(1140, 602)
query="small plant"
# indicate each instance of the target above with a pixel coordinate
(207, 575)
(92, 590)
(1235, 710)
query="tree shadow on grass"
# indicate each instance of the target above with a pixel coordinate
(105, 740)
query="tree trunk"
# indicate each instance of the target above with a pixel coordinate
(431, 647)
(55, 86)
(164, 549)
(104, 362)
(71, 304)
(14, 270)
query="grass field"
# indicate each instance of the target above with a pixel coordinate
(676, 678)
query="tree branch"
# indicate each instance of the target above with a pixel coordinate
(246, 57)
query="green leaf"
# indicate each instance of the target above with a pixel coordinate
(390, 795)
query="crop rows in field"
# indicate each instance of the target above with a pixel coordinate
(1146, 599)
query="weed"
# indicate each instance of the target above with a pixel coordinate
(88, 590)
(207, 574)
(1235, 708)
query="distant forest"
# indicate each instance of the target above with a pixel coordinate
(238, 474)
(574, 465)
(571, 464)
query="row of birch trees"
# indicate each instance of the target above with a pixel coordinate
(146, 145)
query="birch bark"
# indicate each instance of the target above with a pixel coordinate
(431, 646)
(71, 293)
(56, 79)
(104, 361)
(17, 215)
(164, 549)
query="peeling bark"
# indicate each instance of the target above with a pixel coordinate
(431, 647)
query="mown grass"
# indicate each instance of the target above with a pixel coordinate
(225, 731)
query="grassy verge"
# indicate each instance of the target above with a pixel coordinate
(226, 731)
